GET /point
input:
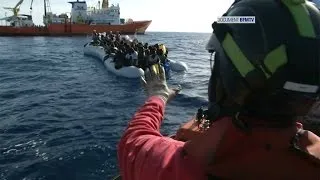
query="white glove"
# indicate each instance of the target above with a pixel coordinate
(155, 83)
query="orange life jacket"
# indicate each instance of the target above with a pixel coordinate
(291, 153)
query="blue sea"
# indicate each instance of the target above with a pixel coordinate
(62, 113)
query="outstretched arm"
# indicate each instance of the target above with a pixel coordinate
(144, 154)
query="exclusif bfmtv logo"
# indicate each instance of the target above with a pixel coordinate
(237, 19)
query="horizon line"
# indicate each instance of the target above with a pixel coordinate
(202, 32)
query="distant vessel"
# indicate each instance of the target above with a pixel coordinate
(83, 21)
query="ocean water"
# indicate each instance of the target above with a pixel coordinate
(62, 113)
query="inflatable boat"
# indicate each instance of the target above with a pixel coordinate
(107, 60)
(128, 71)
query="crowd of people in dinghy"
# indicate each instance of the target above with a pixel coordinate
(129, 52)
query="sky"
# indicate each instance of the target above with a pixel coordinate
(166, 15)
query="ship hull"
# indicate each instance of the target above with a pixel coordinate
(67, 29)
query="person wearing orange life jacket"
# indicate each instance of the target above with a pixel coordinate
(266, 76)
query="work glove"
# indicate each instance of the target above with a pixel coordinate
(154, 83)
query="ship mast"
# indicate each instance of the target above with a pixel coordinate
(45, 7)
(105, 4)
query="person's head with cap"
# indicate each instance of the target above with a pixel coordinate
(268, 69)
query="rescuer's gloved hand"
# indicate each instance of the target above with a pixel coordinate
(154, 82)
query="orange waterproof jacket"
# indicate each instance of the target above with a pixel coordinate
(291, 153)
(223, 151)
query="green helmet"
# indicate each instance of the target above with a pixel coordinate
(278, 54)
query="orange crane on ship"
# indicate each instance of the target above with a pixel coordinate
(16, 8)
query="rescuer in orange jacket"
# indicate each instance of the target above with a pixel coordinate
(265, 78)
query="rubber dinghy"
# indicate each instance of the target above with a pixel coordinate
(128, 71)
(98, 52)
(177, 66)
